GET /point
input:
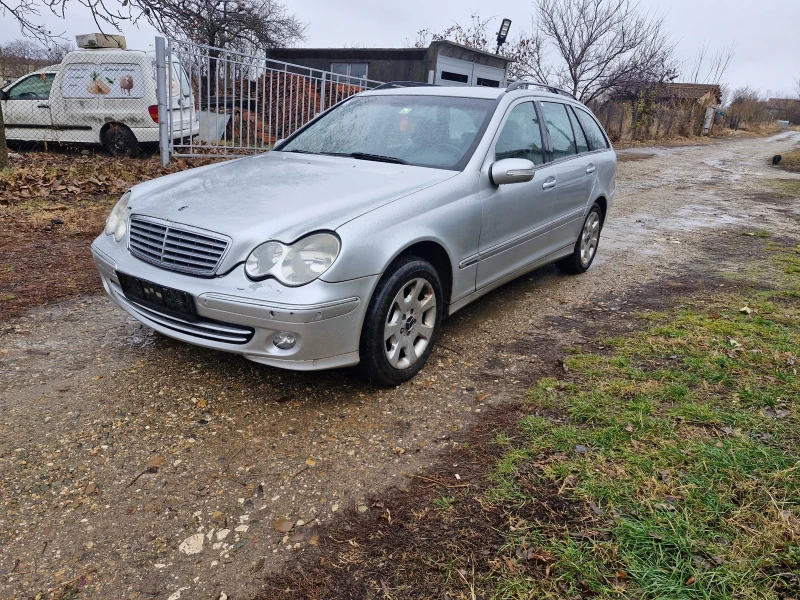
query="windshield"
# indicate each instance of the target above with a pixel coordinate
(426, 131)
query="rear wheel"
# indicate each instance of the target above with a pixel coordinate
(586, 247)
(120, 141)
(402, 322)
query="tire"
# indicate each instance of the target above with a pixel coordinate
(400, 330)
(586, 247)
(118, 140)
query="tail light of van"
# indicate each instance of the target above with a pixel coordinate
(153, 110)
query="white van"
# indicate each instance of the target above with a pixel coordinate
(97, 95)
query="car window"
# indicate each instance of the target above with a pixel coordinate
(561, 136)
(35, 87)
(580, 138)
(521, 136)
(179, 77)
(597, 141)
(428, 131)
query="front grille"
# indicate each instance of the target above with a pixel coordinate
(174, 247)
(206, 329)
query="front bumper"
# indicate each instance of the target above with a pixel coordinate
(242, 316)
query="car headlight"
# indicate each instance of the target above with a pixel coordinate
(117, 221)
(295, 264)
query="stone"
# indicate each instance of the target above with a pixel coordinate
(192, 545)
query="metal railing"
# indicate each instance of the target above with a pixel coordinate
(225, 103)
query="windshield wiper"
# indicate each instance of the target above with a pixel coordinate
(376, 158)
(356, 155)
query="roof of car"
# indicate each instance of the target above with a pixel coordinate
(465, 92)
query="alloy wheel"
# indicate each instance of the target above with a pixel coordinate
(410, 323)
(590, 236)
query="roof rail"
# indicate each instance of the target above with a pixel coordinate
(550, 88)
(398, 84)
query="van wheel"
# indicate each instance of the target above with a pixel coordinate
(586, 247)
(118, 140)
(402, 322)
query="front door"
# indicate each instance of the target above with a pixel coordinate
(515, 216)
(26, 112)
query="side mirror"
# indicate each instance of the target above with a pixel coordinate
(278, 143)
(3, 94)
(511, 170)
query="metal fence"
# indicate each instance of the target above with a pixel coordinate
(238, 103)
(187, 99)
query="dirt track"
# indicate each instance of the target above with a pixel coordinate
(89, 399)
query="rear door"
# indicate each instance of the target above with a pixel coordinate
(575, 172)
(26, 112)
(515, 217)
(183, 116)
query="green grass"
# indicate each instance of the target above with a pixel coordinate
(688, 477)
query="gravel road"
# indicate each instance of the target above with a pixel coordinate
(135, 467)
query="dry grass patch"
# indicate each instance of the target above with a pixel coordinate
(791, 161)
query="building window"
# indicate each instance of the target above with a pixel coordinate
(450, 76)
(353, 70)
(488, 82)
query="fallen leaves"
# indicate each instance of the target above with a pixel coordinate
(282, 525)
(153, 466)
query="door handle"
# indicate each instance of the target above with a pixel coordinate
(42, 106)
(549, 183)
(590, 169)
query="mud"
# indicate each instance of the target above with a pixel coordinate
(90, 399)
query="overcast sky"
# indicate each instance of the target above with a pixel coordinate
(766, 32)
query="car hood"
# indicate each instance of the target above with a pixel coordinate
(277, 195)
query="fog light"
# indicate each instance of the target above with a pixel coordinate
(284, 340)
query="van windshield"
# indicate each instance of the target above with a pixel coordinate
(428, 131)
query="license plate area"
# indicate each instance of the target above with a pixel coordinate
(160, 298)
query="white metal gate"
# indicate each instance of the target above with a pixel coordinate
(230, 103)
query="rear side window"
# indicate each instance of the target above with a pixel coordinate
(117, 81)
(35, 87)
(580, 138)
(597, 141)
(180, 82)
(521, 136)
(561, 137)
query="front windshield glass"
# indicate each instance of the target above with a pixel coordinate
(426, 131)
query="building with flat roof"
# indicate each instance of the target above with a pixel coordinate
(443, 63)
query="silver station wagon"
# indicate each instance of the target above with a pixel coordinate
(352, 240)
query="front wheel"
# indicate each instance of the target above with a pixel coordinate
(402, 322)
(586, 247)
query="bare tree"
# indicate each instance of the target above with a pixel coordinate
(708, 69)
(475, 35)
(244, 25)
(239, 25)
(601, 45)
(57, 50)
(797, 82)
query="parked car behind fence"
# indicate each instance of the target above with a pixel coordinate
(97, 95)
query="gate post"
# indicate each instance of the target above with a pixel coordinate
(161, 95)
